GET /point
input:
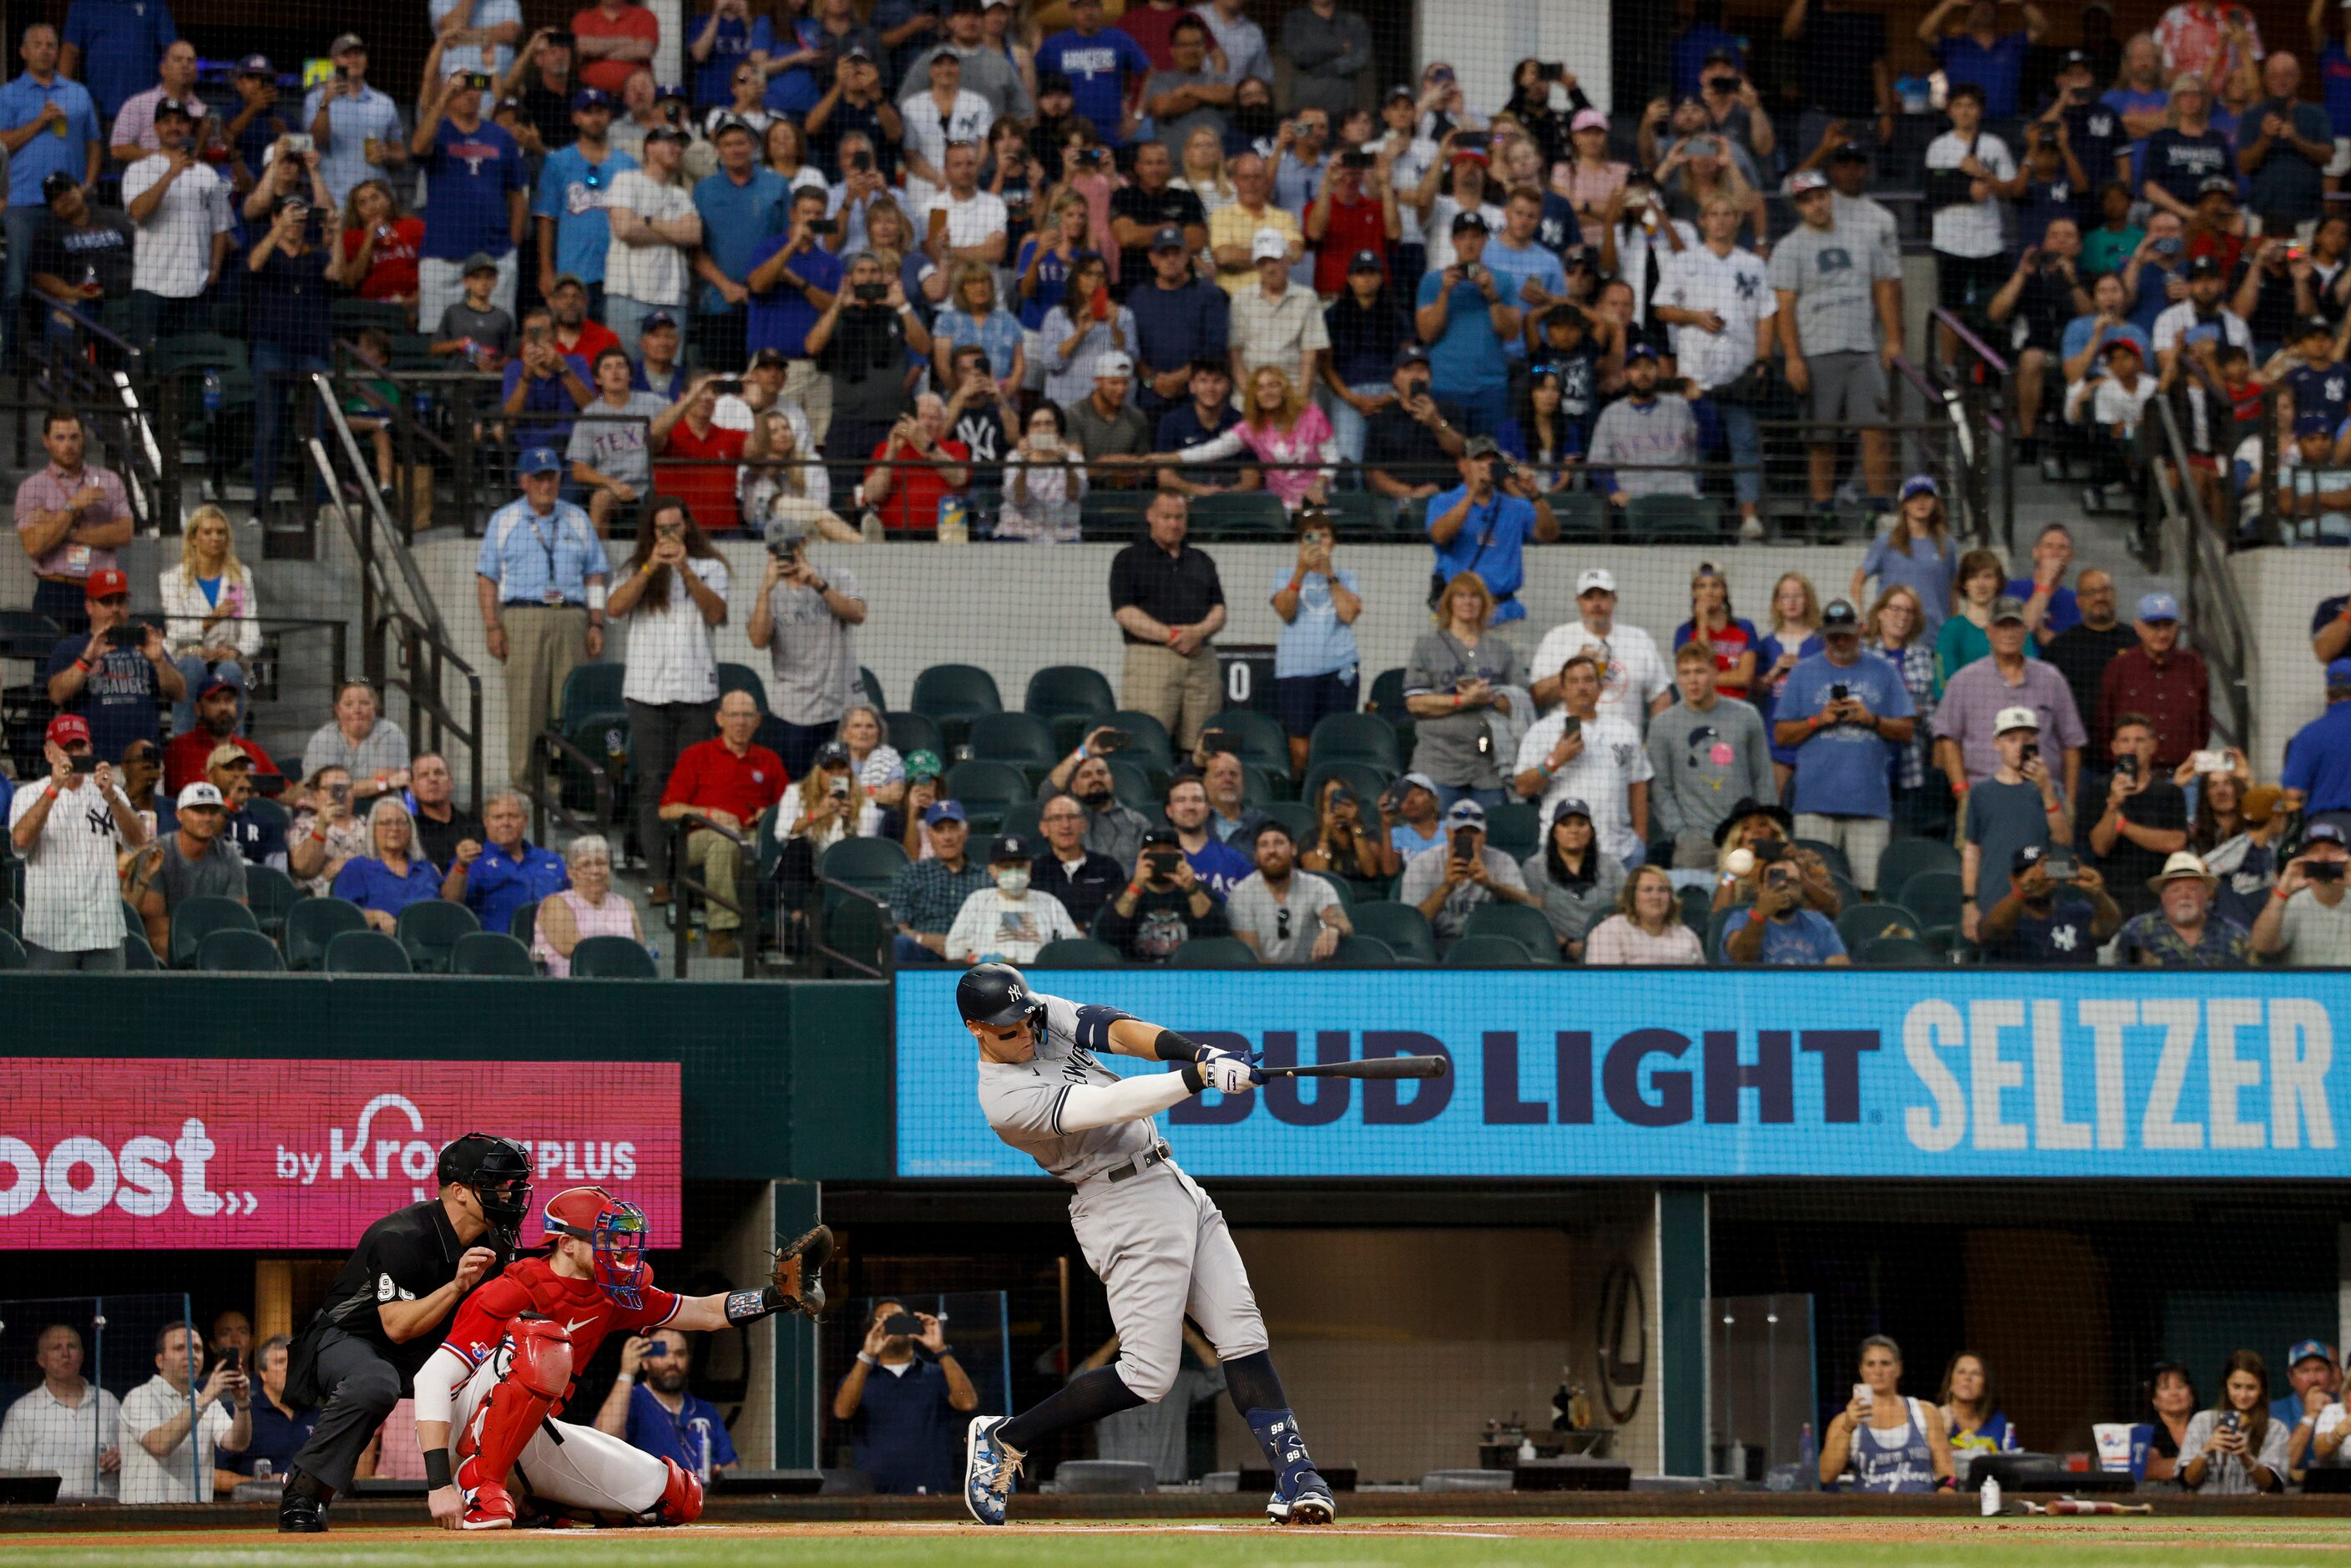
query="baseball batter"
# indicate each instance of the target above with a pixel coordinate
(506, 1371)
(1156, 1240)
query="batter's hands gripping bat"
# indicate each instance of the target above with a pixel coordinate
(1377, 1067)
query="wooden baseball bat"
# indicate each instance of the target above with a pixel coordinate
(2084, 1505)
(1377, 1067)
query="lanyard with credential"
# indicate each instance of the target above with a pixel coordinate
(552, 591)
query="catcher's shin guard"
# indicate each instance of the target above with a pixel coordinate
(538, 1354)
(681, 1498)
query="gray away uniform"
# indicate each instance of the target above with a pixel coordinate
(1157, 1242)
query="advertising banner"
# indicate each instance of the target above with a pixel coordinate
(160, 1153)
(1646, 1073)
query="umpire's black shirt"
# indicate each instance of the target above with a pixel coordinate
(1176, 590)
(406, 1255)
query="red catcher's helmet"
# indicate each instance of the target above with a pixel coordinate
(616, 1229)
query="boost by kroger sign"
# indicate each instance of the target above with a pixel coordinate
(1686, 1073)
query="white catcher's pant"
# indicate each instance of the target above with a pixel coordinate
(572, 1465)
(1161, 1248)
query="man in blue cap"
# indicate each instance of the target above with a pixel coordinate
(568, 204)
(540, 581)
(926, 897)
(2305, 923)
(256, 125)
(2314, 1382)
(2317, 774)
(2314, 494)
(2163, 682)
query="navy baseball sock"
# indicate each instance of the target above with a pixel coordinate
(1256, 1390)
(1088, 1397)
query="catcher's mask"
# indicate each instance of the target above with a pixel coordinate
(498, 1170)
(616, 1229)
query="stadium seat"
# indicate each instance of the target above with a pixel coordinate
(1515, 827)
(743, 678)
(987, 789)
(1213, 953)
(233, 950)
(868, 865)
(1583, 516)
(1263, 786)
(523, 925)
(1488, 953)
(313, 922)
(197, 919)
(1906, 858)
(1360, 952)
(1023, 820)
(953, 695)
(1147, 741)
(857, 928)
(1697, 907)
(1132, 783)
(612, 958)
(1716, 924)
(1519, 923)
(1112, 516)
(1387, 699)
(1355, 738)
(12, 917)
(1900, 953)
(1257, 737)
(1295, 815)
(11, 952)
(269, 893)
(1934, 897)
(1076, 953)
(1864, 922)
(137, 956)
(1021, 740)
(1072, 699)
(1239, 515)
(492, 953)
(1831, 856)
(366, 952)
(591, 717)
(1365, 780)
(428, 929)
(911, 732)
(1404, 928)
(1673, 519)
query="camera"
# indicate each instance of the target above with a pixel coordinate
(2059, 868)
(1552, 70)
(901, 1324)
(299, 142)
(478, 80)
(1091, 157)
(1465, 844)
(839, 789)
(871, 293)
(1780, 878)
(1216, 742)
(2127, 767)
(732, 388)
(825, 228)
(2324, 870)
(1111, 740)
(84, 762)
(1839, 693)
(1163, 864)
(861, 162)
(1355, 158)
(2032, 753)
(233, 1359)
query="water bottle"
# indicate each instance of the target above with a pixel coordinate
(1808, 1460)
(211, 394)
(262, 1470)
(653, 950)
(1991, 1496)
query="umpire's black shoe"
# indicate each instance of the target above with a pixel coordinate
(301, 1514)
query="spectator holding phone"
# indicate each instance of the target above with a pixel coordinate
(118, 674)
(1776, 929)
(2305, 923)
(354, 127)
(650, 1406)
(1166, 903)
(1578, 754)
(477, 194)
(2141, 823)
(1887, 1442)
(69, 830)
(174, 1409)
(2056, 911)
(2018, 807)
(907, 1437)
(2235, 1449)
(1445, 883)
(323, 833)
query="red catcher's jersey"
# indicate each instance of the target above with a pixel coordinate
(531, 1285)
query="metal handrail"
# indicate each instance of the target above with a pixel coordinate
(545, 798)
(2214, 608)
(822, 939)
(686, 888)
(1988, 407)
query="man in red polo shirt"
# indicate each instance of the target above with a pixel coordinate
(184, 760)
(908, 496)
(684, 433)
(730, 781)
(1356, 211)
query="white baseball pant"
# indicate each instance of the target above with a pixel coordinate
(567, 1464)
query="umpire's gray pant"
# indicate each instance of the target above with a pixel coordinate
(360, 1387)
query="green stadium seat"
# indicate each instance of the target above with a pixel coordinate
(1362, 952)
(953, 695)
(1257, 737)
(429, 928)
(1900, 953)
(911, 732)
(1488, 953)
(1213, 953)
(234, 950)
(1147, 742)
(491, 952)
(1364, 738)
(1072, 699)
(11, 952)
(366, 952)
(988, 789)
(1405, 929)
(197, 919)
(1519, 923)
(868, 865)
(743, 678)
(612, 958)
(1862, 924)
(1673, 519)
(313, 922)
(1515, 827)
(1239, 515)
(1021, 740)
(1905, 858)
(1583, 516)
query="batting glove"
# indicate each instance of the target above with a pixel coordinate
(1228, 1073)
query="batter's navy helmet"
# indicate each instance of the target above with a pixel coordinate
(995, 995)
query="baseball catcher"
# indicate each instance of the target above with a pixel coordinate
(509, 1365)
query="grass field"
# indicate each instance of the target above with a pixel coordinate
(1403, 1543)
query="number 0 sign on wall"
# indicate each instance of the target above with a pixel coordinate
(1247, 669)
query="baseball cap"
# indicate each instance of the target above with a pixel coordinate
(1572, 806)
(1011, 847)
(832, 754)
(2305, 1349)
(1838, 615)
(1411, 354)
(1806, 179)
(68, 727)
(480, 261)
(676, 133)
(2217, 185)
(292, 200)
(1920, 484)
(946, 811)
(165, 106)
(2026, 857)
(2123, 345)
(1640, 351)
(1469, 222)
(1403, 92)
(2204, 266)
(1169, 239)
(1596, 578)
(254, 65)
(591, 98)
(1161, 839)
(1465, 814)
(860, 52)
(202, 793)
(922, 765)
(1267, 245)
(767, 357)
(228, 754)
(1366, 261)
(656, 318)
(105, 583)
(2007, 607)
(345, 43)
(1047, 81)
(2310, 325)
(1850, 152)
(2322, 834)
(2071, 59)
(1588, 119)
(668, 90)
(219, 683)
(1481, 446)
(1722, 57)
(786, 531)
(2158, 607)
(539, 460)
(56, 183)
(2015, 718)
(2339, 672)
(1111, 365)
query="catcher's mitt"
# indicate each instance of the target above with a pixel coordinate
(799, 1277)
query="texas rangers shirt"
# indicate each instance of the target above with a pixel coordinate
(466, 177)
(532, 1285)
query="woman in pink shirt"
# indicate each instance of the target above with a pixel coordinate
(1590, 178)
(1646, 929)
(1281, 428)
(588, 907)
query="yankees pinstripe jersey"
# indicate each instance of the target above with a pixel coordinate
(1023, 1100)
